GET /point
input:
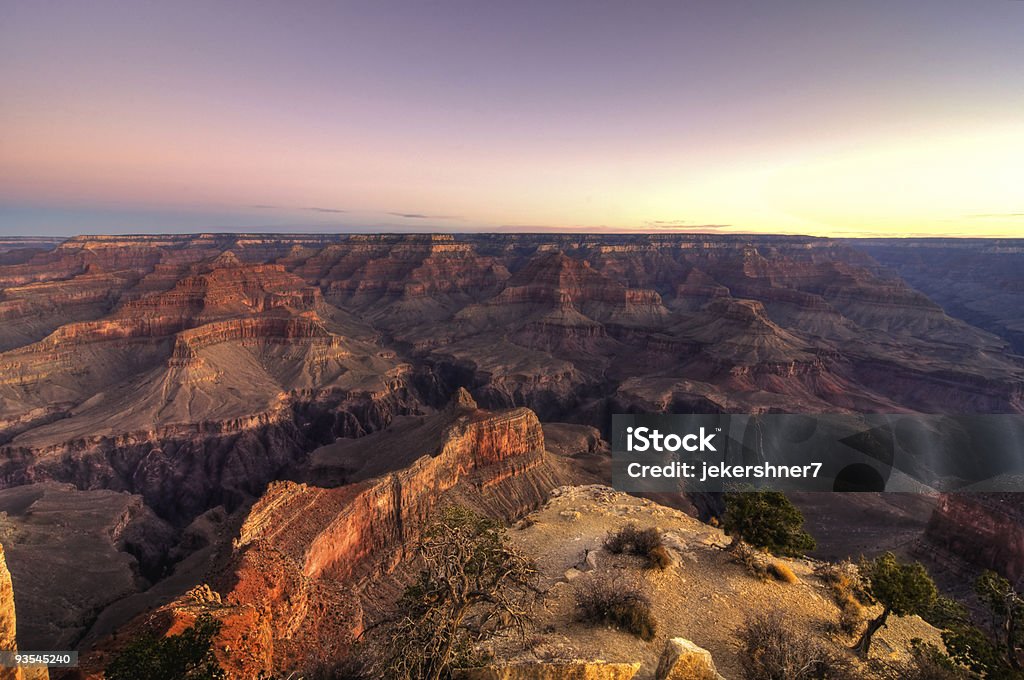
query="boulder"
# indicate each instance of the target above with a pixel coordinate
(683, 660)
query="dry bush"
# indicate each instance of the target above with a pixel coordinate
(647, 543)
(782, 572)
(660, 558)
(849, 592)
(753, 560)
(602, 601)
(845, 582)
(851, 616)
(473, 584)
(771, 651)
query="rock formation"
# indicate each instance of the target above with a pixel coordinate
(683, 660)
(985, 531)
(977, 280)
(303, 552)
(8, 629)
(96, 546)
(192, 371)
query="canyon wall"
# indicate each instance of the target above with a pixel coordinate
(303, 553)
(195, 370)
(985, 531)
(8, 629)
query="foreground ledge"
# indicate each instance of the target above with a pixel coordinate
(550, 670)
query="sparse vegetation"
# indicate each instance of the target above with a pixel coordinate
(900, 588)
(641, 542)
(751, 559)
(984, 652)
(849, 592)
(844, 580)
(771, 651)
(473, 585)
(1006, 607)
(766, 520)
(186, 656)
(659, 558)
(601, 601)
(851, 616)
(760, 565)
(970, 647)
(782, 572)
(927, 662)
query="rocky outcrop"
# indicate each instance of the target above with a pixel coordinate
(183, 470)
(683, 660)
(697, 603)
(551, 670)
(556, 286)
(117, 547)
(303, 551)
(9, 627)
(383, 517)
(263, 329)
(8, 618)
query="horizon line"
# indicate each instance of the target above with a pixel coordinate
(525, 232)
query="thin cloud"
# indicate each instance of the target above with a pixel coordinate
(327, 210)
(607, 229)
(684, 225)
(421, 216)
(989, 216)
(265, 206)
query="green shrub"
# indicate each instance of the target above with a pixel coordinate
(766, 520)
(901, 588)
(186, 656)
(926, 662)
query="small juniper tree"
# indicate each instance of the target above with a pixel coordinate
(766, 520)
(186, 656)
(900, 588)
(970, 647)
(1007, 608)
(472, 585)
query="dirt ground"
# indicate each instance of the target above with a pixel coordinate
(702, 596)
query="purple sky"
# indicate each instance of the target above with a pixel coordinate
(805, 116)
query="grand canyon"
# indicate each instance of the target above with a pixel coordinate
(261, 426)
